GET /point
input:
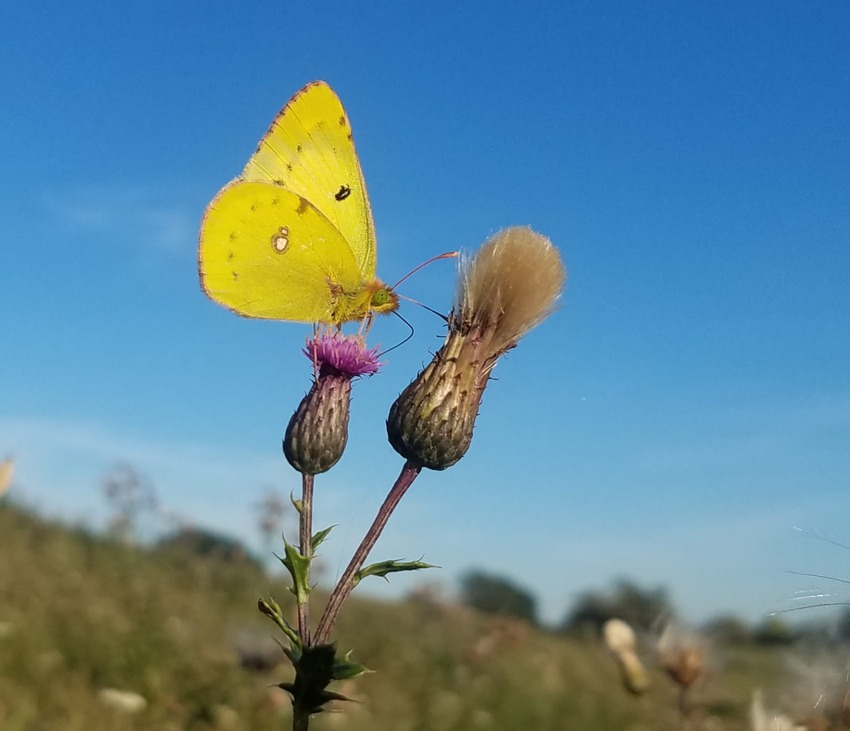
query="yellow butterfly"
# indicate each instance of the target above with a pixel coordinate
(293, 238)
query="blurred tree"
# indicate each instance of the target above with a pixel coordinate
(818, 631)
(773, 631)
(842, 627)
(639, 607)
(129, 495)
(497, 595)
(271, 511)
(209, 544)
(728, 629)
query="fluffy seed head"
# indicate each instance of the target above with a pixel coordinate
(510, 285)
(620, 639)
(682, 653)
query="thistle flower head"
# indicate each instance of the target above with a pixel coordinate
(621, 641)
(619, 636)
(510, 285)
(343, 354)
(318, 430)
(682, 653)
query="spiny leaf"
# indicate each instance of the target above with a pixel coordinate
(344, 669)
(298, 566)
(392, 566)
(319, 536)
(296, 502)
(272, 610)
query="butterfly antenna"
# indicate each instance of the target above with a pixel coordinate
(416, 302)
(398, 345)
(447, 255)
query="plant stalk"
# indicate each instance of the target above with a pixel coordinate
(348, 580)
(300, 720)
(305, 533)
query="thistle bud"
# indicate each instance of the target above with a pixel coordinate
(318, 430)
(509, 286)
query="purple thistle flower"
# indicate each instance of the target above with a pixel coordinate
(318, 430)
(344, 355)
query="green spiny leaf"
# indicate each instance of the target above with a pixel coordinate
(296, 502)
(343, 669)
(383, 568)
(298, 566)
(272, 610)
(319, 536)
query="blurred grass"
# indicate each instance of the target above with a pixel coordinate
(83, 612)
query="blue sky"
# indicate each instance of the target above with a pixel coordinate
(686, 408)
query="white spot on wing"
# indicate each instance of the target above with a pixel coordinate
(280, 240)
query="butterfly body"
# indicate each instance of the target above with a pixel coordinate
(292, 238)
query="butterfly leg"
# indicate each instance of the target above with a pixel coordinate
(366, 325)
(317, 330)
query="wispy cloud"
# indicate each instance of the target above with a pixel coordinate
(138, 215)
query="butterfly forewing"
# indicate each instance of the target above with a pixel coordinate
(309, 150)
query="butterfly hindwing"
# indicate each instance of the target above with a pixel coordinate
(268, 252)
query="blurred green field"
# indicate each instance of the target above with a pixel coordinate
(80, 613)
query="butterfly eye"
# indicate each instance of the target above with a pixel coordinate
(381, 297)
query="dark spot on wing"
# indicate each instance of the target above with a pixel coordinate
(302, 206)
(343, 193)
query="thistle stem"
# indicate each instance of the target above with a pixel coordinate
(300, 721)
(305, 532)
(348, 580)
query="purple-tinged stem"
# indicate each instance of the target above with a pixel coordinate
(347, 582)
